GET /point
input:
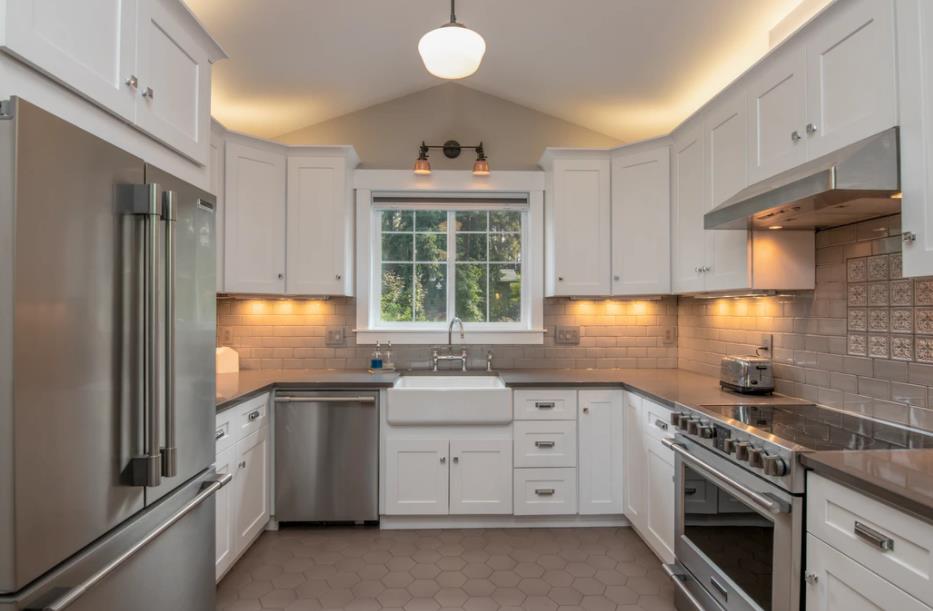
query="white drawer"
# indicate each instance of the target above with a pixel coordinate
(545, 404)
(224, 435)
(545, 492)
(252, 415)
(834, 510)
(545, 443)
(657, 420)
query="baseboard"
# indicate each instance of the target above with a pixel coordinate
(463, 522)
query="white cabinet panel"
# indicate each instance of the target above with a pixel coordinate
(174, 80)
(251, 487)
(600, 466)
(633, 459)
(225, 515)
(417, 477)
(545, 443)
(545, 404)
(777, 112)
(90, 46)
(481, 477)
(689, 204)
(320, 222)
(851, 78)
(641, 214)
(835, 582)
(659, 515)
(254, 222)
(545, 492)
(578, 214)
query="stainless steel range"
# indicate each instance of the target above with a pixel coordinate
(740, 494)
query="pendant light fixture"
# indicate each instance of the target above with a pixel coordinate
(452, 51)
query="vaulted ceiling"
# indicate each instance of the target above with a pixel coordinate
(630, 69)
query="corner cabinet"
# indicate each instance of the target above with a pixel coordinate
(600, 465)
(146, 61)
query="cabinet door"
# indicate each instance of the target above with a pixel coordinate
(89, 46)
(600, 465)
(659, 515)
(777, 113)
(174, 81)
(728, 251)
(481, 477)
(417, 477)
(254, 219)
(320, 221)
(688, 180)
(217, 188)
(251, 490)
(225, 517)
(579, 212)
(641, 213)
(851, 80)
(835, 581)
(634, 459)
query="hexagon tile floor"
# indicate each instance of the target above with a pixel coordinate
(365, 569)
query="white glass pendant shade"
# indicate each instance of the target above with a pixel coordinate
(452, 51)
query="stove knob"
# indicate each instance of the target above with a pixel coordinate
(683, 423)
(676, 418)
(693, 427)
(741, 450)
(706, 431)
(774, 465)
(728, 445)
(756, 457)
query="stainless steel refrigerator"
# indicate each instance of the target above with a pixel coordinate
(107, 327)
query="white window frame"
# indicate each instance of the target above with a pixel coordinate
(448, 184)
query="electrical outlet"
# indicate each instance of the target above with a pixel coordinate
(767, 344)
(336, 336)
(566, 335)
(670, 336)
(226, 336)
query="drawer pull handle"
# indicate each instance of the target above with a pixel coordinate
(544, 491)
(544, 404)
(690, 491)
(661, 424)
(220, 434)
(253, 415)
(544, 444)
(870, 535)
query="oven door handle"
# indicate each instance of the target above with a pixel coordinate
(733, 487)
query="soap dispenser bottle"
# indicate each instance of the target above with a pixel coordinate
(376, 361)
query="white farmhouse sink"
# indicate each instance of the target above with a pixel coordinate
(449, 400)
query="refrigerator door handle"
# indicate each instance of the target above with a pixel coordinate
(143, 202)
(208, 488)
(170, 451)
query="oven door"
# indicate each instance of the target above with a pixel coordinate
(738, 535)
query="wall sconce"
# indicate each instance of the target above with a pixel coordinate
(452, 150)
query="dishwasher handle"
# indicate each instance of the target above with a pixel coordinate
(364, 399)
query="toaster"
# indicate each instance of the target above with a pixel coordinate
(747, 374)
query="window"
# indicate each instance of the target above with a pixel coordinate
(435, 263)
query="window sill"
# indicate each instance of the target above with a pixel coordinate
(414, 336)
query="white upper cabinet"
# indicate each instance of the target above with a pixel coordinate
(146, 61)
(577, 223)
(320, 223)
(601, 447)
(851, 76)
(777, 108)
(688, 205)
(641, 214)
(254, 217)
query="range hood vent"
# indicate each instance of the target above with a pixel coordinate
(855, 183)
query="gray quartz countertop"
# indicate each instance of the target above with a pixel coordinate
(235, 387)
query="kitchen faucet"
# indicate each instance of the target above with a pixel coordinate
(462, 357)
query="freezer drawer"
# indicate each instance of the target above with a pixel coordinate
(326, 457)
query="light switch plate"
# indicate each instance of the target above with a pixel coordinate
(566, 335)
(336, 336)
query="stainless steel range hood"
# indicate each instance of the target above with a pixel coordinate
(855, 183)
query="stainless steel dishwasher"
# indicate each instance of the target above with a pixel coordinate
(326, 456)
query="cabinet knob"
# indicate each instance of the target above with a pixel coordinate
(795, 136)
(456, 459)
(339, 277)
(811, 578)
(616, 278)
(132, 82)
(908, 237)
(443, 460)
(811, 129)
(242, 465)
(281, 276)
(560, 278)
(586, 410)
(148, 92)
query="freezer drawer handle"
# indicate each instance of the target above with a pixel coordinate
(870, 535)
(544, 491)
(208, 488)
(325, 399)
(253, 415)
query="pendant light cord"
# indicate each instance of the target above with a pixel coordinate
(453, 14)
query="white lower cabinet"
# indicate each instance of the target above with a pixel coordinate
(417, 477)
(659, 515)
(480, 477)
(251, 486)
(223, 503)
(600, 468)
(633, 455)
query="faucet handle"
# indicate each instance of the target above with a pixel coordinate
(489, 360)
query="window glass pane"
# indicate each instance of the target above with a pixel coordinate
(396, 246)
(505, 293)
(396, 302)
(471, 247)
(431, 220)
(431, 292)
(430, 246)
(397, 220)
(506, 220)
(471, 292)
(505, 247)
(471, 221)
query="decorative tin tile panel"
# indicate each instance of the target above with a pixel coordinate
(878, 294)
(857, 269)
(923, 291)
(878, 268)
(858, 345)
(858, 295)
(895, 266)
(923, 321)
(878, 320)
(902, 348)
(924, 349)
(902, 320)
(878, 346)
(902, 292)
(858, 319)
